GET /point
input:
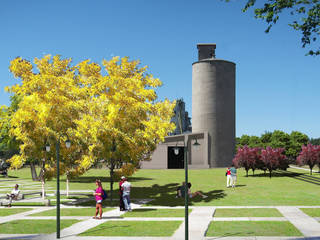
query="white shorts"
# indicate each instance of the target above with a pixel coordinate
(99, 201)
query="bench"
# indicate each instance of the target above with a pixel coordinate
(21, 197)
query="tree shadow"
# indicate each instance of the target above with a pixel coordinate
(87, 179)
(305, 177)
(161, 195)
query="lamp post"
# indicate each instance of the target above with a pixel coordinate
(68, 144)
(186, 195)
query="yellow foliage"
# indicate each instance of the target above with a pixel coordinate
(112, 117)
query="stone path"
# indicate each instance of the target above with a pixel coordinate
(199, 220)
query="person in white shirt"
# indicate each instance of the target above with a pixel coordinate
(126, 188)
(13, 195)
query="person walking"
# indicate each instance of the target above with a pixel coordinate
(121, 203)
(233, 172)
(126, 188)
(98, 196)
(229, 180)
(13, 195)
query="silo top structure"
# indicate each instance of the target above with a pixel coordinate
(206, 51)
(213, 104)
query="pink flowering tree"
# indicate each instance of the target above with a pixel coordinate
(245, 158)
(272, 157)
(309, 155)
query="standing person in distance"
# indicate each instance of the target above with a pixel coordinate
(233, 172)
(126, 188)
(98, 196)
(121, 203)
(229, 180)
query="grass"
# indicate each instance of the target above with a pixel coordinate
(33, 226)
(10, 211)
(258, 190)
(247, 212)
(71, 212)
(252, 228)
(312, 212)
(152, 212)
(134, 228)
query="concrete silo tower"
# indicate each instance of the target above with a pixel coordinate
(213, 104)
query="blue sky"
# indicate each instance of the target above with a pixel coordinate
(277, 86)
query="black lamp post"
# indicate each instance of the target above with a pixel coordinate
(186, 195)
(68, 144)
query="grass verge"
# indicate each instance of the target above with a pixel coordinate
(71, 212)
(152, 212)
(10, 211)
(251, 228)
(312, 212)
(134, 228)
(33, 226)
(247, 212)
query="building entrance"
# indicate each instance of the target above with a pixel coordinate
(175, 161)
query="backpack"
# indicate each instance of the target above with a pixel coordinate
(104, 194)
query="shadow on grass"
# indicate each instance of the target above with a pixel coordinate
(162, 195)
(3, 178)
(85, 179)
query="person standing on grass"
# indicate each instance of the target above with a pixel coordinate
(126, 188)
(229, 180)
(98, 196)
(13, 195)
(121, 203)
(233, 172)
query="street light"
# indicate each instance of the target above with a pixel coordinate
(186, 195)
(68, 144)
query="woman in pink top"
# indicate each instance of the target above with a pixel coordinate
(98, 195)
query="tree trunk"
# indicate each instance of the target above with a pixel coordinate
(270, 173)
(252, 172)
(34, 172)
(42, 188)
(67, 185)
(247, 172)
(111, 180)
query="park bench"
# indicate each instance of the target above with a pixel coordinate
(22, 197)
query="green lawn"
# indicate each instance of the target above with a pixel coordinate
(259, 190)
(33, 226)
(312, 212)
(251, 228)
(247, 212)
(10, 211)
(134, 228)
(152, 212)
(71, 212)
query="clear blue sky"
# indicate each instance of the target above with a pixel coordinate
(277, 85)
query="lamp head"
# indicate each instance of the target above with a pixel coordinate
(68, 143)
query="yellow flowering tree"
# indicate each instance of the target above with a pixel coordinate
(50, 100)
(112, 117)
(122, 121)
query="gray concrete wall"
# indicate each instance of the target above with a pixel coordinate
(197, 155)
(213, 107)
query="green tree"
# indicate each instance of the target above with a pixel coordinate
(297, 140)
(305, 15)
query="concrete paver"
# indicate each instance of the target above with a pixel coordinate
(307, 225)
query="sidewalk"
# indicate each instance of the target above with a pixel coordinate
(199, 219)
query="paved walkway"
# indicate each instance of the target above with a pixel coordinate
(199, 219)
